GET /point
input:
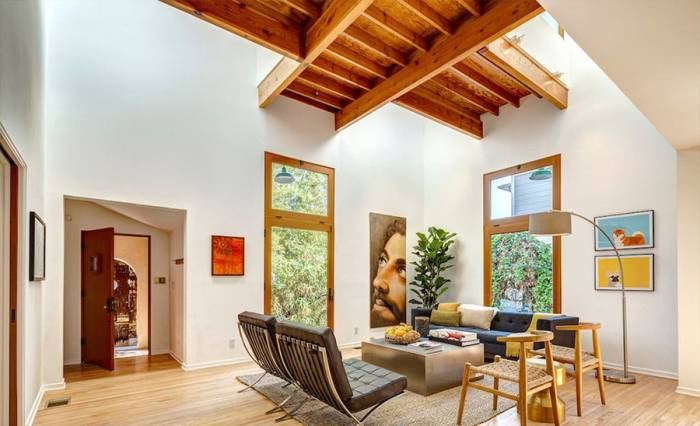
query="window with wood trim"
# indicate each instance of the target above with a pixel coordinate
(521, 272)
(299, 238)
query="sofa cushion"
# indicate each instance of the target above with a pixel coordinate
(491, 336)
(514, 322)
(476, 316)
(448, 306)
(450, 319)
(371, 384)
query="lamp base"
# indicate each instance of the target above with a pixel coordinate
(617, 376)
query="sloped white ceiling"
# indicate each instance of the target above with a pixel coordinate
(650, 49)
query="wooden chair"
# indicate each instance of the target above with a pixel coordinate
(582, 361)
(530, 379)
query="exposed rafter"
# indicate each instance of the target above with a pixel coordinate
(334, 20)
(516, 62)
(472, 35)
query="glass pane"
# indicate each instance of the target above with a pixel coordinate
(521, 272)
(522, 194)
(307, 193)
(299, 275)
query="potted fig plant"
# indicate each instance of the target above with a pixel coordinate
(434, 258)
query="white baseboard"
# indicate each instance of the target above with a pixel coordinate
(160, 351)
(349, 345)
(646, 371)
(176, 358)
(71, 361)
(218, 363)
(40, 396)
(688, 391)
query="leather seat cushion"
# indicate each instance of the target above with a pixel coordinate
(371, 384)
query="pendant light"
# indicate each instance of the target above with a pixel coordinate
(284, 176)
(541, 174)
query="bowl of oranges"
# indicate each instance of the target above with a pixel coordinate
(401, 334)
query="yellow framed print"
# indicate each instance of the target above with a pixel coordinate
(639, 272)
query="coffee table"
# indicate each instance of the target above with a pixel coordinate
(426, 373)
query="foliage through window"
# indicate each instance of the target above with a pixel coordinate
(307, 194)
(521, 272)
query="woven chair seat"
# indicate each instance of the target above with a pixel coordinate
(568, 355)
(510, 370)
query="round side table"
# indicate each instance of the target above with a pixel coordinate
(539, 407)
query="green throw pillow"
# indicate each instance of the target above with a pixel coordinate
(450, 319)
(448, 306)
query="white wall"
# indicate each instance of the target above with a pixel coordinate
(688, 271)
(177, 292)
(22, 116)
(186, 124)
(85, 216)
(613, 160)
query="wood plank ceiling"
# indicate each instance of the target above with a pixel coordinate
(447, 60)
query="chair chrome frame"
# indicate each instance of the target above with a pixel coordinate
(313, 389)
(279, 371)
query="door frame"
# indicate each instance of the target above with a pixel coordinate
(148, 237)
(282, 218)
(14, 410)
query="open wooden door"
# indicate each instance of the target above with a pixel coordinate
(97, 285)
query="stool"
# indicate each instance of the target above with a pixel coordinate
(539, 405)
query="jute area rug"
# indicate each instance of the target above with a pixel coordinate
(407, 409)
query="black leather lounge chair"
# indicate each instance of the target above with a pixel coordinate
(312, 358)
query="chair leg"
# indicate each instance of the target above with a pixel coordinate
(281, 404)
(463, 394)
(578, 374)
(522, 403)
(597, 354)
(495, 395)
(250, 386)
(554, 399)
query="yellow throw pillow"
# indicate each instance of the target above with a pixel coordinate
(450, 319)
(449, 307)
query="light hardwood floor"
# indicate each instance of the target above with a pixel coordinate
(159, 392)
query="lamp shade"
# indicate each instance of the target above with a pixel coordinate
(550, 223)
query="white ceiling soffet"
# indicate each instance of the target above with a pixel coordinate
(650, 49)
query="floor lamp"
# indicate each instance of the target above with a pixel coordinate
(557, 223)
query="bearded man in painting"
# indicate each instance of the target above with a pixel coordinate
(388, 270)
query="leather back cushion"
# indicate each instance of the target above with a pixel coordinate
(514, 322)
(323, 337)
(265, 321)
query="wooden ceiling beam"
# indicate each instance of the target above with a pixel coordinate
(358, 60)
(466, 94)
(307, 7)
(317, 95)
(327, 84)
(334, 20)
(471, 75)
(312, 102)
(473, 34)
(420, 8)
(399, 30)
(362, 37)
(244, 22)
(515, 61)
(342, 73)
(473, 6)
(441, 114)
(427, 91)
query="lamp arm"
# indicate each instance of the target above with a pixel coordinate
(622, 283)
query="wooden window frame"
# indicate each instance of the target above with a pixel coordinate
(311, 222)
(520, 223)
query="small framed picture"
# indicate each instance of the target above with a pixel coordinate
(628, 231)
(639, 272)
(37, 248)
(227, 255)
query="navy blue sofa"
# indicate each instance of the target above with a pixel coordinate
(505, 323)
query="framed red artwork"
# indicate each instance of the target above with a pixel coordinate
(227, 255)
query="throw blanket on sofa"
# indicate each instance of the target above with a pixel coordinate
(513, 348)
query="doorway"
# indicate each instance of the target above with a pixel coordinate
(9, 207)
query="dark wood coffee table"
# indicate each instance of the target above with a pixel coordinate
(426, 373)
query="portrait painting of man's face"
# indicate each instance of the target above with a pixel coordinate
(387, 270)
